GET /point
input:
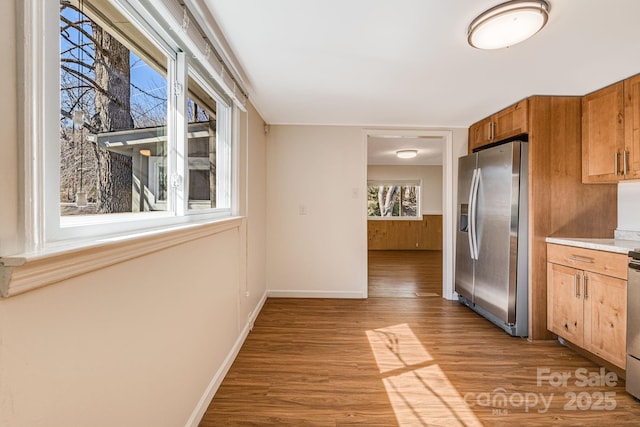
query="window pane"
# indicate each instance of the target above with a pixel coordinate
(393, 200)
(113, 112)
(409, 200)
(202, 152)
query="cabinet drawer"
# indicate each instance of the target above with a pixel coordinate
(608, 263)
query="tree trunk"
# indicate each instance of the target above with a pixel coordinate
(388, 201)
(113, 113)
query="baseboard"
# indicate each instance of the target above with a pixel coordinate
(316, 294)
(214, 384)
(622, 373)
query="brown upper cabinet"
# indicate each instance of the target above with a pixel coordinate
(632, 126)
(611, 133)
(504, 124)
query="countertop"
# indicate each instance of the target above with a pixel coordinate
(620, 246)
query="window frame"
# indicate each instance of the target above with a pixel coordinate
(224, 146)
(43, 225)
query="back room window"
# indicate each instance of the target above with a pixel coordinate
(393, 199)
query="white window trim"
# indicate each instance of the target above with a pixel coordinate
(225, 133)
(20, 274)
(41, 119)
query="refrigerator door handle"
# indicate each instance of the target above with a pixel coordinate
(471, 223)
(474, 214)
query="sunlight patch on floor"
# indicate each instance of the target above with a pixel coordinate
(418, 390)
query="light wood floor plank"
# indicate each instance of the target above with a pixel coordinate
(402, 362)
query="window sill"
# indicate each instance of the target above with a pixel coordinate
(29, 271)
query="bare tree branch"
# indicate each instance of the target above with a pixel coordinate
(78, 27)
(95, 85)
(77, 61)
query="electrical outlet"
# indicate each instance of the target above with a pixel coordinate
(302, 210)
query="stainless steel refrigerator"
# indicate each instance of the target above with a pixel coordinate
(491, 243)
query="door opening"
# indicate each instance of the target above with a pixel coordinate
(408, 236)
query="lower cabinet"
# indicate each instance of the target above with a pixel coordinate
(587, 308)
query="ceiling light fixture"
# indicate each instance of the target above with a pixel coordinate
(406, 154)
(508, 24)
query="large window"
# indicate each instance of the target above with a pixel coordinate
(113, 119)
(393, 199)
(143, 120)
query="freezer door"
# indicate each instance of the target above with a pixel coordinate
(464, 261)
(497, 230)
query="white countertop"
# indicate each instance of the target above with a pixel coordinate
(610, 245)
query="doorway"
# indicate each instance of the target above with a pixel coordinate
(405, 273)
(402, 258)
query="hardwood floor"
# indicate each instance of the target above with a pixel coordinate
(407, 362)
(405, 274)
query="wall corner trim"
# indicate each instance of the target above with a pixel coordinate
(218, 377)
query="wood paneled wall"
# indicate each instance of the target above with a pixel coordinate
(406, 234)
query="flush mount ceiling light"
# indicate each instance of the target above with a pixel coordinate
(406, 154)
(508, 23)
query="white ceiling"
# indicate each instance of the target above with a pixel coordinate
(381, 150)
(407, 62)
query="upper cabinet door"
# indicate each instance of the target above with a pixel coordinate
(511, 121)
(603, 135)
(480, 134)
(632, 127)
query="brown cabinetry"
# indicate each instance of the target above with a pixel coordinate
(632, 126)
(611, 133)
(584, 306)
(510, 122)
(559, 203)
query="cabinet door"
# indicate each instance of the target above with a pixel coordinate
(603, 135)
(480, 134)
(564, 302)
(632, 126)
(511, 121)
(605, 317)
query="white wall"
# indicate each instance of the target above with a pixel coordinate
(8, 123)
(256, 212)
(629, 206)
(322, 253)
(139, 343)
(133, 344)
(431, 176)
(316, 168)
